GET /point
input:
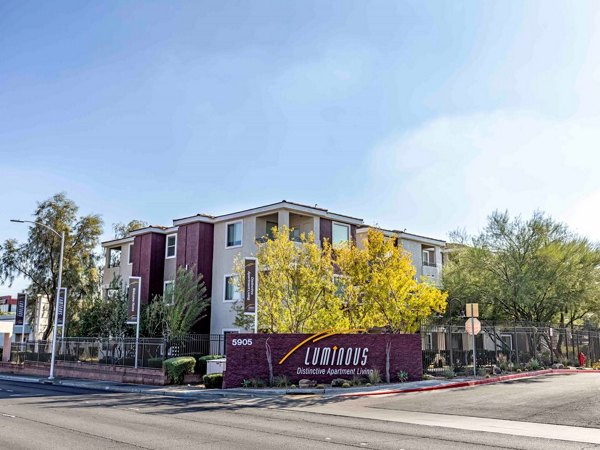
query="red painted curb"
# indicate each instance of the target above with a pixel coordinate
(472, 383)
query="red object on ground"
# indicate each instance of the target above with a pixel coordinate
(581, 359)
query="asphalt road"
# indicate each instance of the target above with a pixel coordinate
(52, 417)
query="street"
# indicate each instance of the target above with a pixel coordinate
(47, 416)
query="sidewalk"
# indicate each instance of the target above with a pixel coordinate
(359, 391)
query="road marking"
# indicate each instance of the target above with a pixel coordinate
(8, 415)
(501, 426)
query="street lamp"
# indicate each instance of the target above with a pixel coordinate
(60, 264)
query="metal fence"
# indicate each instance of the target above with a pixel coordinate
(447, 346)
(119, 352)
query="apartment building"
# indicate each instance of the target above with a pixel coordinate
(426, 252)
(209, 245)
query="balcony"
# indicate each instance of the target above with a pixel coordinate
(298, 224)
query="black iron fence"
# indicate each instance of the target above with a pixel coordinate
(447, 346)
(151, 352)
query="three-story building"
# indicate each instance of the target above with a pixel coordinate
(209, 245)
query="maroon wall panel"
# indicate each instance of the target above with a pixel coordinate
(191, 247)
(157, 265)
(181, 243)
(149, 263)
(326, 230)
(195, 250)
(336, 356)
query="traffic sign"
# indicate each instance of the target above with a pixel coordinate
(472, 309)
(473, 326)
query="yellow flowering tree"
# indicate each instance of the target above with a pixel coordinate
(305, 288)
(296, 290)
(378, 284)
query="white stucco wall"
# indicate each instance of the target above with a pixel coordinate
(223, 258)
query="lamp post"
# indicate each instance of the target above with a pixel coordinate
(60, 265)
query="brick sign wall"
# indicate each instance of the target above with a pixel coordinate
(319, 357)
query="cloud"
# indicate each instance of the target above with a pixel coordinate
(453, 171)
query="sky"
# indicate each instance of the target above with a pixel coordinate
(416, 115)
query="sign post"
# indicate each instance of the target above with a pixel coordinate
(21, 313)
(473, 327)
(133, 310)
(251, 289)
(62, 308)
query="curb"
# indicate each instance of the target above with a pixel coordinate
(473, 383)
(222, 393)
(19, 379)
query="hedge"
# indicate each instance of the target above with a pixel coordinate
(177, 368)
(201, 366)
(213, 381)
(41, 356)
(155, 363)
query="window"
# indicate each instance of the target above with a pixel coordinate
(130, 256)
(339, 286)
(114, 257)
(112, 293)
(171, 246)
(340, 233)
(234, 234)
(506, 341)
(457, 341)
(270, 226)
(231, 291)
(295, 235)
(429, 341)
(429, 257)
(169, 291)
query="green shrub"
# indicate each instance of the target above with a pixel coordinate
(374, 377)
(293, 386)
(177, 368)
(533, 364)
(482, 372)
(281, 381)
(368, 385)
(402, 376)
(320, 386)
(213, 381)
(105, 360)
(155, 363)
(356, 380)
(201, 365)
(449, 373)
(337, 382)
(346, 385)
(502, 362)
(254, 383)
(41, 357)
